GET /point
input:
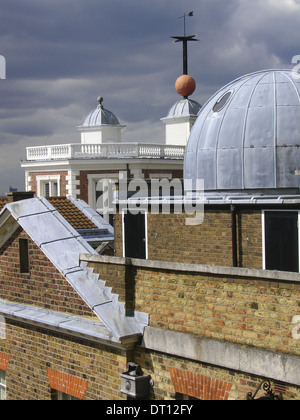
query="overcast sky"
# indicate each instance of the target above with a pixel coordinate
(62, 54)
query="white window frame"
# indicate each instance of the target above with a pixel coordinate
(92, 183)
(41, 180)
(2, 385)
(263, 232)
(93, 179)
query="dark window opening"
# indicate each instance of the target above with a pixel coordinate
(24, 256)
(281, 241)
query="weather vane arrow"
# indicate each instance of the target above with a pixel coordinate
(185, 39)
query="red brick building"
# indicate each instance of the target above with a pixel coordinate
(77, 169)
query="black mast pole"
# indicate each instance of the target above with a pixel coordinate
(185, 39)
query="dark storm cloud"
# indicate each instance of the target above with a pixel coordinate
(62, 54)
(49, 39)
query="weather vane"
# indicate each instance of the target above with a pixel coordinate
(185, 39)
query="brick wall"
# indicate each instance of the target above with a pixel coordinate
(236, 305)
(30, 355)
(83, 177)
(210, 243)
(84, 184)
(247, 307)
(249, 238)
(120, 278)
(37, 360)
(176, 173)
(254, 312)
(170, 239)
(44, 287)
(172, 375)
(63, 181)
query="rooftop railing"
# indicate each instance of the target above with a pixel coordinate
(104, 151)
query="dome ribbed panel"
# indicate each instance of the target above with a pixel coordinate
(100, 116)
(253, 141)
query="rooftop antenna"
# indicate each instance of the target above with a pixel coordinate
(185, 39)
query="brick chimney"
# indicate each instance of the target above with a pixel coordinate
(19, 195)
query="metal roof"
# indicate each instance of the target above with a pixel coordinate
(183, 108)
(211, 199)
(56, 321)
(247, 135)
(100, 116)
(92, 215)
(63, 245)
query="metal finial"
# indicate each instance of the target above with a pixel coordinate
(100, 100)
(184, 16)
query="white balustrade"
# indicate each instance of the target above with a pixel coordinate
(104, 151)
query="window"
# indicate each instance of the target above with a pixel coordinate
(46, 188)
(48, 185)
(2, 385)
(24, 256)
(222, 102)
(50, 189)
(102, 192)
(61, 396)
(281, 240)
(66, 387)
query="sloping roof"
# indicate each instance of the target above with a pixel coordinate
(95, 230)
(63, 245)
(71, 213)
(183, 108)
(100, 116)
(91, 214)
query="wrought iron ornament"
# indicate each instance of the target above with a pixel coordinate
(269, 393)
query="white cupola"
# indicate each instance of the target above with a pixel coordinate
(101, 126)
(182, 115)
(179, 121)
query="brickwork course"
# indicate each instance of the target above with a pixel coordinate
(245, 309)
(199, 298)
(82, 181)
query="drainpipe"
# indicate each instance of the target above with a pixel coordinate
(234, 236)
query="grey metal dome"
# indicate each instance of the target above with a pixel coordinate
(184, 108)
(100, 116)
(247, 136)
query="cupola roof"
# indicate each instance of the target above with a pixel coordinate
(100, 116)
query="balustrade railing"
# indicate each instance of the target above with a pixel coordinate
(102, 151)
